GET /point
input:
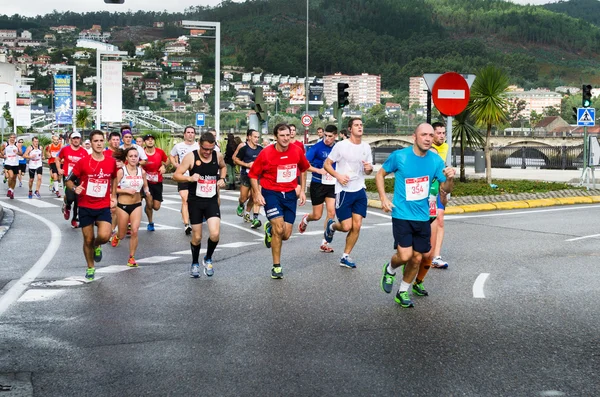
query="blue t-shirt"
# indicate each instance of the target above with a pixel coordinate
(414, 176)
(21, 159)
(316, 156)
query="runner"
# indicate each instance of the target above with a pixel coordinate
(277, 167)
(322, 185)
(127, 138)
(177, 154)
(294, 141)
(440, 145)
(415, 168)
(114, 140)
(155, 168)
(132, 178)
(87, 145)
(139, 141)
(34, 154)
(52, 151)
(11, 164)
(96, 190)
(22, 161)
(245, 157)
(69, 156)
(353, 160)
(207, 172)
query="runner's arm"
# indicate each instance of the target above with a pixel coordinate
(146, 188)
(223, 170)
(386, 204)
(186, 165)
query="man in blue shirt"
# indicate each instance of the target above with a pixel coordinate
(414, 168)
(322, 184)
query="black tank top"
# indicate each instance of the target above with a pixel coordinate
(206, 187)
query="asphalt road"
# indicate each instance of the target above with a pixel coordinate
(516, 313)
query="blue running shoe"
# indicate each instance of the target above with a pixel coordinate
(268, 236)
(97, 254)
(150, 227)
(387, 281)
(276, 273)
(195, 270)
(403, 299)
(328, 233)
(347, 262)
(208, 267)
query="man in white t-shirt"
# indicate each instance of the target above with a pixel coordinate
(176, 156)
(353, 160)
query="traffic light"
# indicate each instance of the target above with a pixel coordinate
(586, 96)
(258, 103)
(342, 95)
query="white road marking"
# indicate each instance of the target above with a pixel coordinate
(67, 282)
(312, 233)
(236, 245)
(384, 224)
(36, 295)
(189, 252)
(37, 203)
(156, 259)
(583, 237)
(46, 257)
(504, 213)
(112, 269)
(168, 202)
(478, 285)
(378, 214)
(160, 226)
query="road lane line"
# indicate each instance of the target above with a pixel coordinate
(38, 203)
(478, 285)
(504, 213)
(21, 285)
(583, 237)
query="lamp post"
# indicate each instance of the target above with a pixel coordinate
(306, 78)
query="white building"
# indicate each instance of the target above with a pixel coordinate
(247, 77)
(8, 34)
(536, 100)
(96, 45)
(417, 92)
(363, 88)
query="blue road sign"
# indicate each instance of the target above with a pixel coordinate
(200, 119)
(586, 117)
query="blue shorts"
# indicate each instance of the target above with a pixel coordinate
(415, 234)
(280, 204)
(348, 203)
(89, 216)
(440, 206)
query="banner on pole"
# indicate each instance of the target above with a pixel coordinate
(63, 99)
(111, 102)
(23, 108)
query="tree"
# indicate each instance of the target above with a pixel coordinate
(82, 119)
(467, 135)
(7, 116)
(515, 107)
(489, 105)
(129, 46)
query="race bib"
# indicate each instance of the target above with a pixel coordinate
(286, 173)
(135, 182)
(70, 168)
(432, 205)
(97, 187)
(417, 188)
(53, 153)
(152, 176)
(206, 188)
(327, 179)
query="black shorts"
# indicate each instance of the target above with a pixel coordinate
(13, 168)
(183, 186)
(319, 192)
(22, 167)
(129, 207)
(156, 191)
(89, 216)
(415, 234)
(245, 180)
(203, 209)
(53, 169)
(34, 171)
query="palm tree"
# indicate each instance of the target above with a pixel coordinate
(83, 118)
(489, 106)
(466, 134)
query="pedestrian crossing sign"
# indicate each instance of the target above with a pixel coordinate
(586, 117)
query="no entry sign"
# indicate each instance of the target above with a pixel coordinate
(450, 94)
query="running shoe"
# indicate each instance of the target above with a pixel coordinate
(256, 223)
(150, 227)
(268, 236)
(131, 262)
(11, 194)
(276, 273)
(37, 194)
(208, 267)
(240, 210)
(325, 248)
(90, 273)
(97, 254)
(403, 299)
(30, 195)
(188, 230)
(303, 224)
(8, 194)
(20, 184)
(247, 218)
(74, 223)
(129, 229)
(419, 289)
(328, 233)
(439, 263)
(114, 240)
(66, 212)
(195, 270)
(57, 194)
(347, 262)
(387, 281)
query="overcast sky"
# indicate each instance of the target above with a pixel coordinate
(35, 7)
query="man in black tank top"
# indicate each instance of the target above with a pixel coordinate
(207, 171)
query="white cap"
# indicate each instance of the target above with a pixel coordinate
(75, 135)
(87, 141)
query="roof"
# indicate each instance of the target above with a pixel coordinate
(546, 121)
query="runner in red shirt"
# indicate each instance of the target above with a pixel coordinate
(69, 156)
(97, 193)
(155, 168)
(278, 167)
(52, 151)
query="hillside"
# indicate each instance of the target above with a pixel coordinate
(588, 10)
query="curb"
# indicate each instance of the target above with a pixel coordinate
(510, 205)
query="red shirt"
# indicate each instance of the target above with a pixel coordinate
(71, 157)
(96, 178)
(53, 150)
(300, 145)
(153, 165)
(279, 171)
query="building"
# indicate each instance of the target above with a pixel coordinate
(177, 47)
(158, 25)
(151, 83)
(536, 100)
(196, 94)
(96, 45)
(178, 107)
(391, 108)
(417, 92)
(363, 88)
(63, 29)
(131, 77)
(8, 34)
(151, 94)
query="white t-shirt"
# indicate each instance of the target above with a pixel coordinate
(141, 153)
(181, 149)
(349, 161)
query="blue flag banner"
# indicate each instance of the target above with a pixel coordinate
(63, 99)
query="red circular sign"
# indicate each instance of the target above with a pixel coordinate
(450, 94)
(306, 120)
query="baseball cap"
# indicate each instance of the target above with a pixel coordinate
(148, 136)
(75, 135)
(87, 141)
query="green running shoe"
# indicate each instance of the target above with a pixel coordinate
(97, 254)
(90, 273)
(387, 281)
(276, 273)
(240, 210)
(403, 299)
(419, 289)
(268, 236)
